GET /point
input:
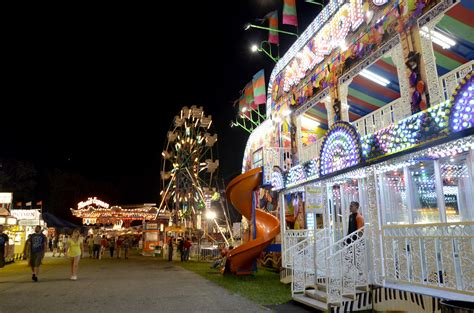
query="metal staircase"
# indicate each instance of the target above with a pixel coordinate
(336, 273)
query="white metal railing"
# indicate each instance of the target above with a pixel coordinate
(290, 239)
(439, 255)
(342, 266)
(347, 266)
(303, 259)
(275, 156)
(383, 117)
(311, 151)
(450, 81)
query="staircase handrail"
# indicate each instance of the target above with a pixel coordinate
(341, 242)
(315, 235)
(347, 270)
(293, 276)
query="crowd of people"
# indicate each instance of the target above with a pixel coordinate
(73, 247)
(70, 246)
(183, 246)
(118, 246)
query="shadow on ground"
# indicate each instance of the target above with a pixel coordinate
(290, 307)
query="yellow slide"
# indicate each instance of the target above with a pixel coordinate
(239, 192)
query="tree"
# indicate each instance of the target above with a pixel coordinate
(19, 177)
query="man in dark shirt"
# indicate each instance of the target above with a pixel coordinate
(356, 221)
(38, 245)
(3, 246)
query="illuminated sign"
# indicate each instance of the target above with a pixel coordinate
(6, 197)
(90, 201)
(26, 214)
(151, 225)
(88, 221)
(29, 222)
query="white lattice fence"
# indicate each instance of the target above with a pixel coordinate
(310, 151)
(291, 239)
(381, 118)
(347, 266)
(438, 255)
(275, 156)
(450, 81)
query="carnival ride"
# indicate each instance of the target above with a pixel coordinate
(239, 192)
(189, 166)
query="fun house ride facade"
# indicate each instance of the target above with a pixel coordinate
(374, 103)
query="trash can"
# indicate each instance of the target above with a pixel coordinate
(451, 306)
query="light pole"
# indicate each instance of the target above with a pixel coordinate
(255, 48)
(249, 25)
(268, 52)
(211, 215)
(315, 2)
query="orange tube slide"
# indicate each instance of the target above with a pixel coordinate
(239, 193)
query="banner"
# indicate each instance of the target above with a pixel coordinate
(258, 83)
(289, 13)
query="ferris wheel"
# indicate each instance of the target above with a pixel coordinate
(189, 164)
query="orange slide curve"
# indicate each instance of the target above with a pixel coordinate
(239, 192)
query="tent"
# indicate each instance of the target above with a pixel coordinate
(54, 221)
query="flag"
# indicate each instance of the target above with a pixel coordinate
(289, 13)
(18, 204)
(258, 83)
(28, 204)
(243, 107)
(241, 101)
(273, 24)
(39, 202)
(249, 101)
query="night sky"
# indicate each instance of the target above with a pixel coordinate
(93, 90)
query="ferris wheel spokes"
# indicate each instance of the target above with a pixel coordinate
(189, 162)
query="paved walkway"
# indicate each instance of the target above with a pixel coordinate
(139, 284)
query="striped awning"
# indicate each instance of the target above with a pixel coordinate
(366, 96)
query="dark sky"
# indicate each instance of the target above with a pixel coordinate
(94, 89)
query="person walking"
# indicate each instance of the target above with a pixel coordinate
(181, 248)
(126, 245)
(50, 244)
(75, 250)
(90, 245)
(3, 247)
(170, 249)
(112, 246)
(55, 245)
(103, 246)
(96, 246)
(38, 245)
(118, 245)
(187, 247)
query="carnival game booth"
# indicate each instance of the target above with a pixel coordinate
(376, 101)
(27, 220)
(10, 228)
